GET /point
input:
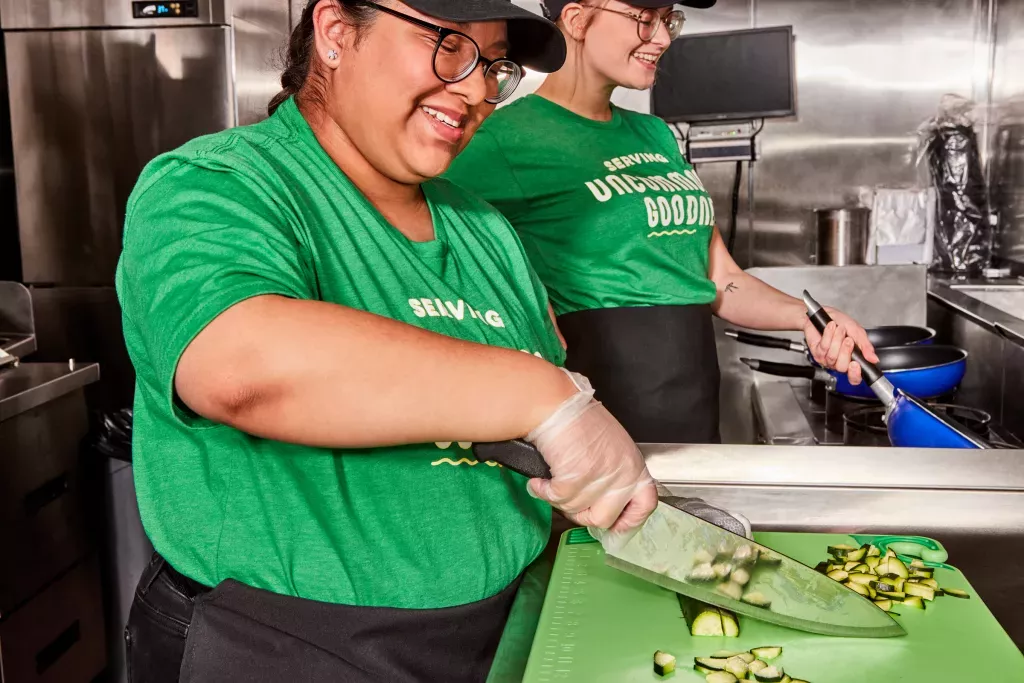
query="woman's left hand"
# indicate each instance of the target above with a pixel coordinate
(834, 348)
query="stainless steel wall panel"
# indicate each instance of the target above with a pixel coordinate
(1007, 176)
(261, 29)
(982, 386)
(868, 73)
(1013, 387)
(89, 110)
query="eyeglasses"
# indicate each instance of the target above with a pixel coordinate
(456, 56)
(648, 20)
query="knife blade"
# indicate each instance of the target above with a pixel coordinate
(685, 554)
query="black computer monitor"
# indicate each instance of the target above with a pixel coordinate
(732, 76)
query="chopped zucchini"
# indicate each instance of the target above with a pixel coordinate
(841, 550)
(884, 586)
(756, 666)
(858, 588)
(873, 551)
(737, 667)
(720, 677)
(821, 567)
(725, 654)
(893, 595)
(664, 663)
(769, 558)
(849, 566)
(757, 599)
(930, 582)
(897, 567)
(926, 592)
(745, 554)
(862, 567)
(740, 576)
(730, 625)
(913, 601)
(769, 674)
(703, 573)
(956, 593)
(710, 663)
(787, 679)
(766, 652)
(722, 570)
(872, 561)
(730, 590)
(857, 577)
(702, 556)
(838, 575)
(884, 604)
(917, 562)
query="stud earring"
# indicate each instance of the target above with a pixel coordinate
(332, 54)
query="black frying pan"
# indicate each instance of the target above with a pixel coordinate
(928, 370)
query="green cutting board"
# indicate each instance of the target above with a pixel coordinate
(600, 624)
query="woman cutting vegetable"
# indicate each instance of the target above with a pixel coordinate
(622, 232)
(319, 331)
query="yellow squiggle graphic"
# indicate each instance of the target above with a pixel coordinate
(671, 232)
(464, 461)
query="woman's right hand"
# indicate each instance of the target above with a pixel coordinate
(598, 476)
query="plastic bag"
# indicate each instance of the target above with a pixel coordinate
(114, 435)
(963, 240)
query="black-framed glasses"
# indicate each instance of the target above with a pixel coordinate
(648, 20)
(456, 56)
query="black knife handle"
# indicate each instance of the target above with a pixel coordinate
(517, 455)
(821, 319)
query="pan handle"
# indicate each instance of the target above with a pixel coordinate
(780, 369)
(517, 455)
(765, 341)
(821, 319)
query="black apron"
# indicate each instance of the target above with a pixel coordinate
(179, 630)
(654, 367)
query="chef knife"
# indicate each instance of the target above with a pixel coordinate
(685, 554)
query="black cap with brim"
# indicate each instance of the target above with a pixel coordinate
(534, 41)
(554, 7)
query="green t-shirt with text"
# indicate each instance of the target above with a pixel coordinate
(263, 210)
(609, 211)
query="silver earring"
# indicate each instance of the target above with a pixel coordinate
(332, 54)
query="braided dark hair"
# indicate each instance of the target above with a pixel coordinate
(300, 77)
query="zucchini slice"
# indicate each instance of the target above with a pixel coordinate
(850, 566)
(730, 625)
(872, 561)
(756, 666)
(769, 674)
(926, 592)
(884, 604)
(858, 588)
(726, 654)
(702, 556)
(722, 570)
(737, 667)
(745, 554)
(703, 573)
(874, 551)
(730, 589)
(766, 652)
(710, 663)
(865, 579)
(956, 593)
(769, 558)
(913, 601)
(740, 576)
(838, 575)
(757, 599)
(882, 585)
(841, 550)
(899, 596)
(664, 663)
(720, 677)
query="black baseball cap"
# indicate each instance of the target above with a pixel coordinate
(534, 41)
(553, 8)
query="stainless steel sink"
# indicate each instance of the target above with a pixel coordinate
(30, 385)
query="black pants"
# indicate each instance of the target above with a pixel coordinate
(179, 630)
(654, 367)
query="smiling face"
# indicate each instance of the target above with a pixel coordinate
(612, 47)
(383, 93)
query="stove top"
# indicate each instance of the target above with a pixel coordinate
(786, 414)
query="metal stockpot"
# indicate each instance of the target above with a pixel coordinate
(842, 236)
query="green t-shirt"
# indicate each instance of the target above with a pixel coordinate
(263, 210)
(609, 212)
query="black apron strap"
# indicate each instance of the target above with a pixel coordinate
(241, 634)
(654, 367)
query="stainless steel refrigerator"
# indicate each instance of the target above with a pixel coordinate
(97, 88)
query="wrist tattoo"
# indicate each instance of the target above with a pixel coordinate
(731, 287)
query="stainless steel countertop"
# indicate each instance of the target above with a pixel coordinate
(31, 385)
(999, 321)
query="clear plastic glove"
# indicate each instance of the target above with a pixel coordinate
(598, 476)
